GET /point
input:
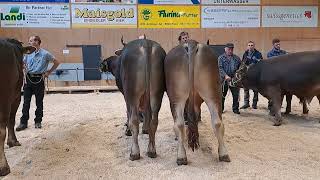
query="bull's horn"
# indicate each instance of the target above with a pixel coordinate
(144, 36)
(122, 42)
(208, 42)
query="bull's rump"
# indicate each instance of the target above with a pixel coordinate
(9, 72)
(206, 74)
(133, 68)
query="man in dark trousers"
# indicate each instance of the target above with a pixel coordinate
(251, 56)
(36, 65)
(277, 51)
(228, 65)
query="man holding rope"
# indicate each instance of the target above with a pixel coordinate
(229, 63)
(36, 65)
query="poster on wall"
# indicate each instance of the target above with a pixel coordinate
(106, 1)
(22, 1)
(231, 2)
(35, 15)
(169, 1)
(294, 16)
(104, 16)
(169, 16)
(230, 16)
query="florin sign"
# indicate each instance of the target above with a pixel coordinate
(100, 16)
(169, 16)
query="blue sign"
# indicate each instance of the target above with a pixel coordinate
(54, 1)
(169, 1)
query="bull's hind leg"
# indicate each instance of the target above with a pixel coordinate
(155, 106)
(178, 117)
(218, 126)
(12, 139)
(4, 116)
(134, 127)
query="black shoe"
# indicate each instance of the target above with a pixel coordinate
(21, 127)
(236, 112)
(254, 106)
(37, 125)
(245, 106)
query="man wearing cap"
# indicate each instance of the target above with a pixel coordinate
(229, 63)
(251, 56)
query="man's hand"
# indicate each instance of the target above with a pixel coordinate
(227, 78)
(46, 74)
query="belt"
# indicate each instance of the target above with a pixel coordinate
(34, 75)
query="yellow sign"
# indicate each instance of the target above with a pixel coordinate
(169, 16)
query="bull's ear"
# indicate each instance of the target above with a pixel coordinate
(28, 49)
(118, 52)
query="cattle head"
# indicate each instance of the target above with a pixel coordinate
(19, 48)
(240, 76)
(109, 65)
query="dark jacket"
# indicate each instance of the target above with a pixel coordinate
(275, 52)
(251, 58)
(228, 66)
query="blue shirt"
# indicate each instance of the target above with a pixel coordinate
(228, 65)
(275, 52)
(37, 62)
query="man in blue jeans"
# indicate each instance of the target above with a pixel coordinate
(36, 65)
(229, 63)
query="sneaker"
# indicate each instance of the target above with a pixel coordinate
(37, 125)
(21, 127)
(245, 106)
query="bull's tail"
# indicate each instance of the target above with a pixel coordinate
(147, 101)
(193, 133)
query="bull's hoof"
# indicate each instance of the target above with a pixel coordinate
(128, 132)
(224, 158)
(4, 171)
(152, 154)
(145, 131)
(134, 157)
(305, 112)
(13, 143)
(182, 161)
(287, 112)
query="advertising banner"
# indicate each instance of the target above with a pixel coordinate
(106, 1)
(104, 16)
(169, 1)
(230, 16)
(231, 2)
(169, 16)
(294, 16)
(35, 15)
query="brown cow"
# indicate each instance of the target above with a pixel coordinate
(11, 79)
(191, 72)
(140, 77)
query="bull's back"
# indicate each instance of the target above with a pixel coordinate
(294, 72)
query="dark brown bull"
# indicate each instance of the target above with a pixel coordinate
(191, 72)
(11, 79)
(139, 75)
(297, 74)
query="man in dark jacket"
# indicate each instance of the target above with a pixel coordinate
(228, 65)
(251, 56)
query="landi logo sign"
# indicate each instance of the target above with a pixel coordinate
(13, 15)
